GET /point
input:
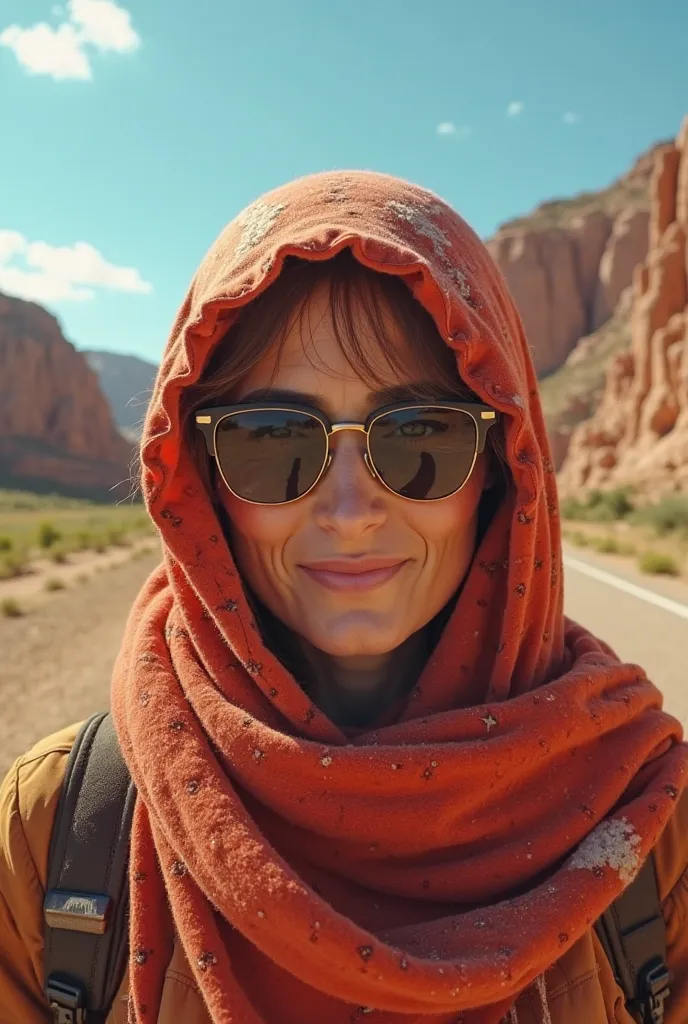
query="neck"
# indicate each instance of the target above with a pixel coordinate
(356, 690)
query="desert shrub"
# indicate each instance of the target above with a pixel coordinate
(599, 506)
(606, 545)
(626, 548)
(12, 564)
(572, 508)
(658, 563)
(48, 535)
(580, 539)
(610, 505)
(84, 540)
(6, 544)
(117, 537)
(54, 583)
(10, 608)
(668, 515)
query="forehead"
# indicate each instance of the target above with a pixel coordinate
(315, 348)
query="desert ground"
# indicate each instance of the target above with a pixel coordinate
(57, 658)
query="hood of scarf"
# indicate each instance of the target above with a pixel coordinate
(431, 868)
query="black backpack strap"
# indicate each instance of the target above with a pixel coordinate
(86, 905)
(633, 934)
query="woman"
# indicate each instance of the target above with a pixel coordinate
(379, 773)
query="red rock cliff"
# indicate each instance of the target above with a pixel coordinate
(639, 434)
(56, 428)
(569, 261)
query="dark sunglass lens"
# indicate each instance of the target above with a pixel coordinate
(270, 456)
(424, 453)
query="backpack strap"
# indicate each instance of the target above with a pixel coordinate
(86, 906)
(633, 934)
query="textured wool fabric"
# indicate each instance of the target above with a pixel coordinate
(431, 868)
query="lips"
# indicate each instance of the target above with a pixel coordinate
(354, 574)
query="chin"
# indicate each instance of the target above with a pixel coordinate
(355, 635)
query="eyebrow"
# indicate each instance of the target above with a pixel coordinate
(423, 391)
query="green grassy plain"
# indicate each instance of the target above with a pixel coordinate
(49, 526)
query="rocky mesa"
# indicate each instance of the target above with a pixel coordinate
(568, 263)
(639, 433)
(56, 427)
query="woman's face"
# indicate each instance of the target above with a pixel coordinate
(304, 559)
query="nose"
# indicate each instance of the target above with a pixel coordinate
(349, 500)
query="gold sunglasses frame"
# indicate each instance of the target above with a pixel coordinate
(208, 421)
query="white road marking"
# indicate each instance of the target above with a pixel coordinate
(630, 588)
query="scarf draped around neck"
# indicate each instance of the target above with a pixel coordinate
(426, 870)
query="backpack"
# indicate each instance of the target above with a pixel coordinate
(87, 898)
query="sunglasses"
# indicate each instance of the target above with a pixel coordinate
(275, 454)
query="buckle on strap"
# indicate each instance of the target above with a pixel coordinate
(77, 911)
(66, 1001)
(655, 989)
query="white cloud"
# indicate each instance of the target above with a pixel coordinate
(461, 131)
(515, 108)
(570, 118)
(46, 51)
(48, 273)
(64, 52)
(104, 24)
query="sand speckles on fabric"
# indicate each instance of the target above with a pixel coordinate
(421, 220)
(255, 224)
(614, 844)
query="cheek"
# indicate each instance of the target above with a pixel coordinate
(448, 529)
(260, 524)
(259, 535)
(450, 524)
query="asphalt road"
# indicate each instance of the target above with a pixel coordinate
(644, 619)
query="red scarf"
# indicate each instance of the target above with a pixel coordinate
(430, 869)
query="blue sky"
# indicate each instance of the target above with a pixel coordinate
(133, 131)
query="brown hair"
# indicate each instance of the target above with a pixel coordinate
(355, 292)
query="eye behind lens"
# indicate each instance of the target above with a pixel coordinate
(425, 453)
(270, 456)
